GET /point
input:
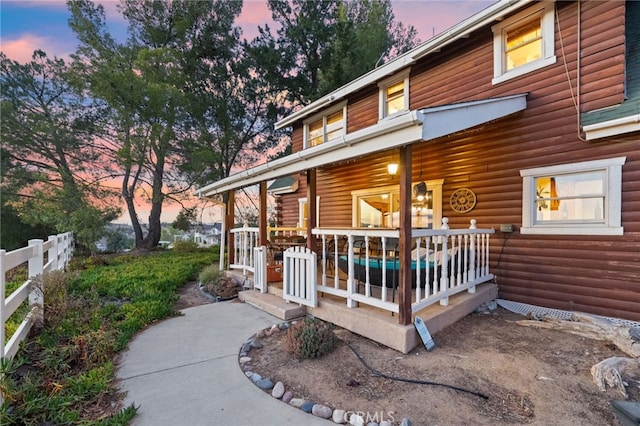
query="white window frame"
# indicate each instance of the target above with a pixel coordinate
(382, 98)
(323, 116)
(543, 11)
(434, 185)
(612, 225)
(301, 202)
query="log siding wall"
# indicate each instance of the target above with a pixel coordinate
(598, 274)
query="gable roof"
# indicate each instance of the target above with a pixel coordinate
(486, 16)
(403, 129)
(625, 117)
(283, 185)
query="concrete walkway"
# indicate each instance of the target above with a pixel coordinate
(184, 371)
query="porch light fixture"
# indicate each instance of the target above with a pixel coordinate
(392, 168)
(420, 189)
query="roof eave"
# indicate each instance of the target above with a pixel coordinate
(613, 127)
(482, 18)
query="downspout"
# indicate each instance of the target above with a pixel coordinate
(578, 68)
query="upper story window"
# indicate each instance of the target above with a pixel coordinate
(394, 95)
(325, 127)
(573, 199)
(524, 43)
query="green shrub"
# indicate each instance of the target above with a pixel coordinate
(210, 274)
(310, 338)
(185, 247)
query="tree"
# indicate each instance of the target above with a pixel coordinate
(321, 45)
(367, 35)
(154, 88)
(118, 241)
(293, 58)
(185, 219)
(47, 134)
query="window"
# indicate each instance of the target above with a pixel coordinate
(325, 127)
(573, 199)
(524, 42)
(380, 207)
(303, 212)
(394, 95)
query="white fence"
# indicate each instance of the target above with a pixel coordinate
(59, 249)
(299, 276)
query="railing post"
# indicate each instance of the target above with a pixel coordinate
(472, 252)
(351, 285)
(3, 253)
(444, 275)
(35, 268)
(52, 254)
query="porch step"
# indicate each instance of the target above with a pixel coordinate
(273, 304)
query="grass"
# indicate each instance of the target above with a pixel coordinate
(64, 373)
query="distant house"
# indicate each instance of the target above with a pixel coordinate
(209, 235)
(523, 119)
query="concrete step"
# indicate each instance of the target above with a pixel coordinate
(272, 304)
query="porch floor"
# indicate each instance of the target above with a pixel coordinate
(371, 322)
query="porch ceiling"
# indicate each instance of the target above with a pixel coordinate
(404, 129)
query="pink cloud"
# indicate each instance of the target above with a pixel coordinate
(254, 13)
(433, 17)
(22, 48)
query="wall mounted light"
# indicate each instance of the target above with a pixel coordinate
(392, 168)
(420, 190)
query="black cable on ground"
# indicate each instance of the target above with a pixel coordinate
(419, 382)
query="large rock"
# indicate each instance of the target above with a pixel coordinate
(323, 411)
(278, 390)
(265, 384)
(288, 396)
(297, 402)
(307, 407)
(339, 416)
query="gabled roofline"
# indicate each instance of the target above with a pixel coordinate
(460, 30)
(403, 129)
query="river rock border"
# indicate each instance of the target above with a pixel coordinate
(279, 391)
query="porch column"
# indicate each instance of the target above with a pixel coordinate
(230, 223)
(311, 205)
(262, 215)
(404, 290)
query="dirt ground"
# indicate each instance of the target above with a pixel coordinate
(529, 376)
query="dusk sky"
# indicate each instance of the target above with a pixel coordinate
(29, 24)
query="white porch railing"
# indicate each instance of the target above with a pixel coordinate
(285, 231)
(363, 266)
(59, 249)
(245, 239)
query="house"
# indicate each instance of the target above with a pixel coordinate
(523, 121)
(209, 235)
